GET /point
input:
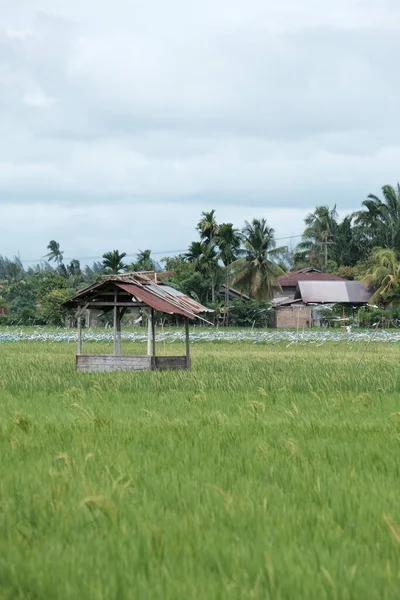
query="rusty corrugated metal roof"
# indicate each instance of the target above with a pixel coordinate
(341, 292)
(138, 285)
(163, 304)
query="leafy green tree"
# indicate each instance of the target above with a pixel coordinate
(45, 282)
(52, 310)
(185, 277)
(113, 262)
(257, 273)
(384, 277)
(251, 313)
(21, 302)
(204, 256)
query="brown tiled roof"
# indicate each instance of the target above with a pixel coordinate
(308, 274)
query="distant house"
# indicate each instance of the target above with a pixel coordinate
(303, 310)
(233, 294)
(288, 283)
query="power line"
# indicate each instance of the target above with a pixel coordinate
(133, 254)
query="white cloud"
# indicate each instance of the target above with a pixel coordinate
(38, 99)
(242, 105)
(19, 34)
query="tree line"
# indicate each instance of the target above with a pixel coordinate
(363, 245)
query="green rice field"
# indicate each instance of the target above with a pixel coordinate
(269, 471)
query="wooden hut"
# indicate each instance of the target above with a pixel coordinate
(133, 292)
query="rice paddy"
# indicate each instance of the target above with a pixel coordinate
(270, 470)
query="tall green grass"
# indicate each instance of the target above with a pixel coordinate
(265, 472)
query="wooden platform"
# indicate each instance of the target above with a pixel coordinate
(91, 363)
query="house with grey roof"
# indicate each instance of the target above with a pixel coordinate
(302, 311)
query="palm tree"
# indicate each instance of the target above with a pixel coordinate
(384, 277)
(55, 253)
(94, 272)
(11, 270)
(257, 273)
(229, 241)
(145, 262)
(208, 226)
(113, 261)
(74, 273)
(348, 249)
(205, 258)
(318, 237)
(379, 221)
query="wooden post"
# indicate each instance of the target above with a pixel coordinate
(79, 334)
(153, 340)
(119, 343)
(115, 322)
(149, 332)
(187, 363)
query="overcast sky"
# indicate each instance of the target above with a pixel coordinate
(120, 122)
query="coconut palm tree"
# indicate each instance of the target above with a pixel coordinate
(208, 226)
(318, 237)
(256, 272)
(384, 277)
(113, 261)
(379, 221)
(55, 253)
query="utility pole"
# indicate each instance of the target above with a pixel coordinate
(325, 243)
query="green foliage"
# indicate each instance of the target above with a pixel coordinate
(384, 277)
(46, 282)
(204, 256)
(51, 307)
(379, 318)
(186, 278)
(250, 314)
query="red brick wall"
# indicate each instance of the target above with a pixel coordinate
(289, 317)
